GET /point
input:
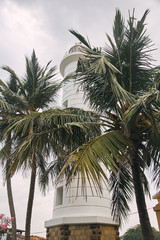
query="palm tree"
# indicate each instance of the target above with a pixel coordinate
(33, 129)
(117, 82)
(5, 107)
(35, 91)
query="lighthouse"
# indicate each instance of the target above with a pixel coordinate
(74, 216)
(72, 93)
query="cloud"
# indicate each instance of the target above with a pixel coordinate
(43, 25)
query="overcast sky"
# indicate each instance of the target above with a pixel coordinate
(43, 25)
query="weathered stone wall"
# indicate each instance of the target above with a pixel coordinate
(83, 232)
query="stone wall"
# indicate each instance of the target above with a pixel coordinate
(83, 232)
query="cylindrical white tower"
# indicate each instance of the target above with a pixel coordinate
(72, 93)
(70, 208)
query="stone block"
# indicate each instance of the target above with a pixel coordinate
(83, 232)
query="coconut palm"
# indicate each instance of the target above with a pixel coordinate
(21, 97)
(117, 82)
(33, 131)
(5, 107)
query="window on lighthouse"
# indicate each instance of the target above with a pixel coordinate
(59, 196)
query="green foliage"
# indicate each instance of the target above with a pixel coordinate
(21, 97)
(31, 131)
(127, 56)
(35, 91)
(121, 83)
(35, 130)
(136, 233)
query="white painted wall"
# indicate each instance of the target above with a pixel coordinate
(71, 91)
(75, 208)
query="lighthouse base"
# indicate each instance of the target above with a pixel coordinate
(83, 232)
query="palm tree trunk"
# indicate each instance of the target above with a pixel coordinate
(9, 193)
(11, 207)
(140, 200)
(30, 204)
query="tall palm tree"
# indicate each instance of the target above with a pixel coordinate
(5, 108)
(33, 129)
(117, 83)
(35, 91)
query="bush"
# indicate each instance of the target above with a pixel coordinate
(136, 233)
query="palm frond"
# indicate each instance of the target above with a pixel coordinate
(41, 88)
(122, 191)
(5, 150)
(81, 38)
(12, 98)
(156, 169)
(13, 75)
(5, 107)
(118, 29)
(90, 157)
(130, 53)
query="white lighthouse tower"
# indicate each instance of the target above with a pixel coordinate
(75, 217)
(72, 94)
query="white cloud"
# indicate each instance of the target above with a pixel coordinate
(43, 25)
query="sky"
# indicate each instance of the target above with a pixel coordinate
(43, 25)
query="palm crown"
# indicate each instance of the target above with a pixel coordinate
(35, 91)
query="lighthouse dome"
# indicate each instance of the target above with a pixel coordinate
(76, 48)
